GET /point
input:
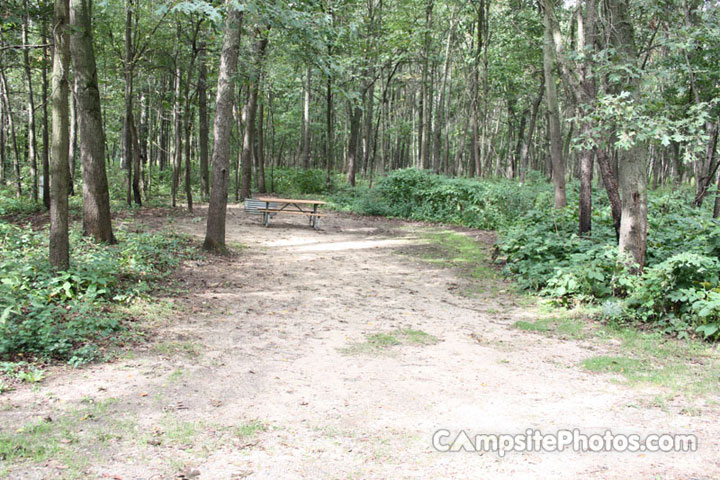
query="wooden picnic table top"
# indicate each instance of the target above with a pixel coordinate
(290, 200)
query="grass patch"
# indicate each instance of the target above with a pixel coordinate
(456, 250)
(565, 328)
(248, 430)
(382, 342)
(61, 437)
(173, 348)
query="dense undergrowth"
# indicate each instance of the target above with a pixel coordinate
(679, 291)
(73, 315)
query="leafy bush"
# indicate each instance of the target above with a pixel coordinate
(680, 291)
(61, 315)
(421, 195)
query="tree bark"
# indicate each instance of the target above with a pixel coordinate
(306, 120)
(204, 127)
(46, 129)
(260, 156)
(353, 143)
(31, 141)
(224, 104)
(556, 142)
(632, 164)
(5, 93)
(59, 241)
(96, 196)
(250, 114)
(440, 110)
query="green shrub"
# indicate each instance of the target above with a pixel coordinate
(62, 315)
(421, 195)
(679, 292)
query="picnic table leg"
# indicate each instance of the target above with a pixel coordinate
(266, 215)
(314, 218)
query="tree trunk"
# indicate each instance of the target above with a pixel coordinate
(556, 142)
(96, 197)
(632, 164)
(710, 165)
(204, 127)
(531, 130)
(5, 93)
(306, 120)
(127, 128)
(45, 128)
(59, 242)
(177, 128)
(31, 141)
(224, 104)
(353, 143)
(250, 113)
(440, 110)
(260, 156)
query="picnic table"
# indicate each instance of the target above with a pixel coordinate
(290, 206)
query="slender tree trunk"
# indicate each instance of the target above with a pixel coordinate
(710, 165)
(129, 74)
(3, 159)
(96, 196)
(716, 207)
(353, 143)
(73, 138)
(250, 114)
(224, 104)
(524, 157)
(329, 116)
(177, 128)
(31, 141)
(45, 127)
(204, 127)
(59, 241)
(306, 120)
(440, 110)
(260, 157)
(5, 92)
(556, 143)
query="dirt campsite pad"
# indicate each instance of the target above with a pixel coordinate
(338, 354)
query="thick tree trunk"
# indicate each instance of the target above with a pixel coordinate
(215, 232)
(96, 196)
(632, 163)
(129, 74)
(59, 242)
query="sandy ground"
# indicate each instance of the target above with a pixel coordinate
(257, 376)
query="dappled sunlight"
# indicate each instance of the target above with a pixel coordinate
(355, 245)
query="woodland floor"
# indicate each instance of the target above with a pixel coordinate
(276, 363)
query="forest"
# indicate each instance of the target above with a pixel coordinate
(576, 141)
